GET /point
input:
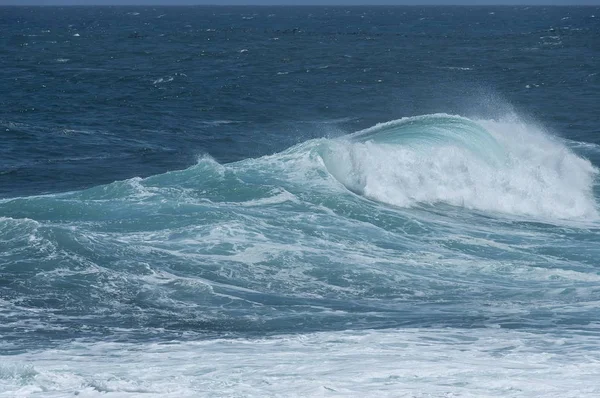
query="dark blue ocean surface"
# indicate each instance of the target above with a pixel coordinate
(260, 201)
(93, 95)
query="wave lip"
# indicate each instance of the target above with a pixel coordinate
(505, 166)
(440, 129)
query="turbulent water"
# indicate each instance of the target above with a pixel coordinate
(385, 201)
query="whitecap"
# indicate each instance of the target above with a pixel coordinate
(161, 80)
(463, 68)
(218, 122)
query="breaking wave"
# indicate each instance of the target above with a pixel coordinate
(505, 166)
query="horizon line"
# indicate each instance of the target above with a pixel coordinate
(298, 5)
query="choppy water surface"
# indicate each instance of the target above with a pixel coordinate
(386, 201)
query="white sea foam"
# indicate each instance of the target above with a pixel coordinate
(539, 176)
(392, 363)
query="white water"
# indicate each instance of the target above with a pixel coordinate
(392, 363)
(538, 175)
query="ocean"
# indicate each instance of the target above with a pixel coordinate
(299, 201)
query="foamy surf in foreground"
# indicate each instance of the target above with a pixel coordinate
(429, 256)
(387, 363)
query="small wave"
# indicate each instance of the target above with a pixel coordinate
(463, 68)
(328, 121)
(218, 122)
(278, 197)
(587, 147)
(161, 80)
(169, 78)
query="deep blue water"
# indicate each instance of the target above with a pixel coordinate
(187, 174)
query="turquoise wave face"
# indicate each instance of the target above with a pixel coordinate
(438, 130)
(366, 231)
